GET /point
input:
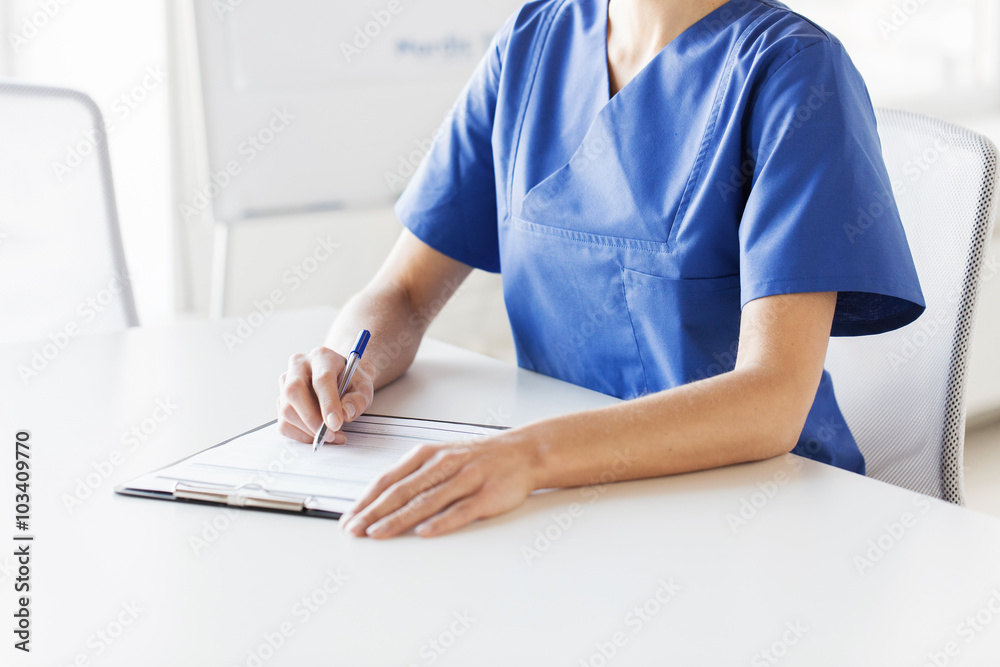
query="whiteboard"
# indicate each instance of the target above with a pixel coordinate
(320, 104)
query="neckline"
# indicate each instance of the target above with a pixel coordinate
(607, 97)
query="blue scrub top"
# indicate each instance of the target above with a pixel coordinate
(741, 162)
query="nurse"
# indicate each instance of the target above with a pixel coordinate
(685, 199)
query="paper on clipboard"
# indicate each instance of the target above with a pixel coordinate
(265, 470)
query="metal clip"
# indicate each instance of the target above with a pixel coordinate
(236, 498)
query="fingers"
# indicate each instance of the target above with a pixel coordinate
(359, 396)
(295, 433)
(301, 409)
(406, 466)
(417, 496)
(425, 504)
(308, 396)
(460, 514)
(326, 367)
(287, 416)
(291, 431)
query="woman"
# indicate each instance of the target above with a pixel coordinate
(686, 199)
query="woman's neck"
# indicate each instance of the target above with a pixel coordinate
(639, 29)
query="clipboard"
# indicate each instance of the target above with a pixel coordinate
(322, 485)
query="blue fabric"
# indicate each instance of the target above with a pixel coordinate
(741, 163)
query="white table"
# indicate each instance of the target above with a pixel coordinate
(655, 572)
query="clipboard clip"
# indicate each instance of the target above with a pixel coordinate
(238, 497)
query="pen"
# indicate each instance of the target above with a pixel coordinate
(352, 365)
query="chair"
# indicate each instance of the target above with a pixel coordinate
(62, 267)
(903, 392)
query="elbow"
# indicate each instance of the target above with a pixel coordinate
(782, 415)
(773, 441)
(786, 438)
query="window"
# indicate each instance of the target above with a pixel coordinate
(935, 56)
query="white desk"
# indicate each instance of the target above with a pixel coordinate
(473, 595)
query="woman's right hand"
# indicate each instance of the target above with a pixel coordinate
(308, 395)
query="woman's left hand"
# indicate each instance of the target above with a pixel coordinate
(438, 488)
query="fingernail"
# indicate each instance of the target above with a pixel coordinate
(421, 529)
(353, 527)
(332, 421)
(349, 410)
(376, 529)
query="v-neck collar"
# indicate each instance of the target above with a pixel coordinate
(607, 97)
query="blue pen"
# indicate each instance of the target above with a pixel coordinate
(352, 365)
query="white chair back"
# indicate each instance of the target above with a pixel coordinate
(903, 392)
(62, 268)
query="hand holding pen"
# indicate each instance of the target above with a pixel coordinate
(345, 380)
(322, 390)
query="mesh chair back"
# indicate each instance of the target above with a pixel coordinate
(903, 392)
(62, 269)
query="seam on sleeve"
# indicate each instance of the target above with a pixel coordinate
(764, 84)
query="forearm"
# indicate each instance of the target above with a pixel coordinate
(744, 415)
(754, 412)
(396, 331)
(397, 306)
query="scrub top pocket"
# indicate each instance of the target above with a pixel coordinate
(565, 299)
(685, 329)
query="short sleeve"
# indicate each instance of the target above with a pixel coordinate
(451, 201)
(820, 215)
